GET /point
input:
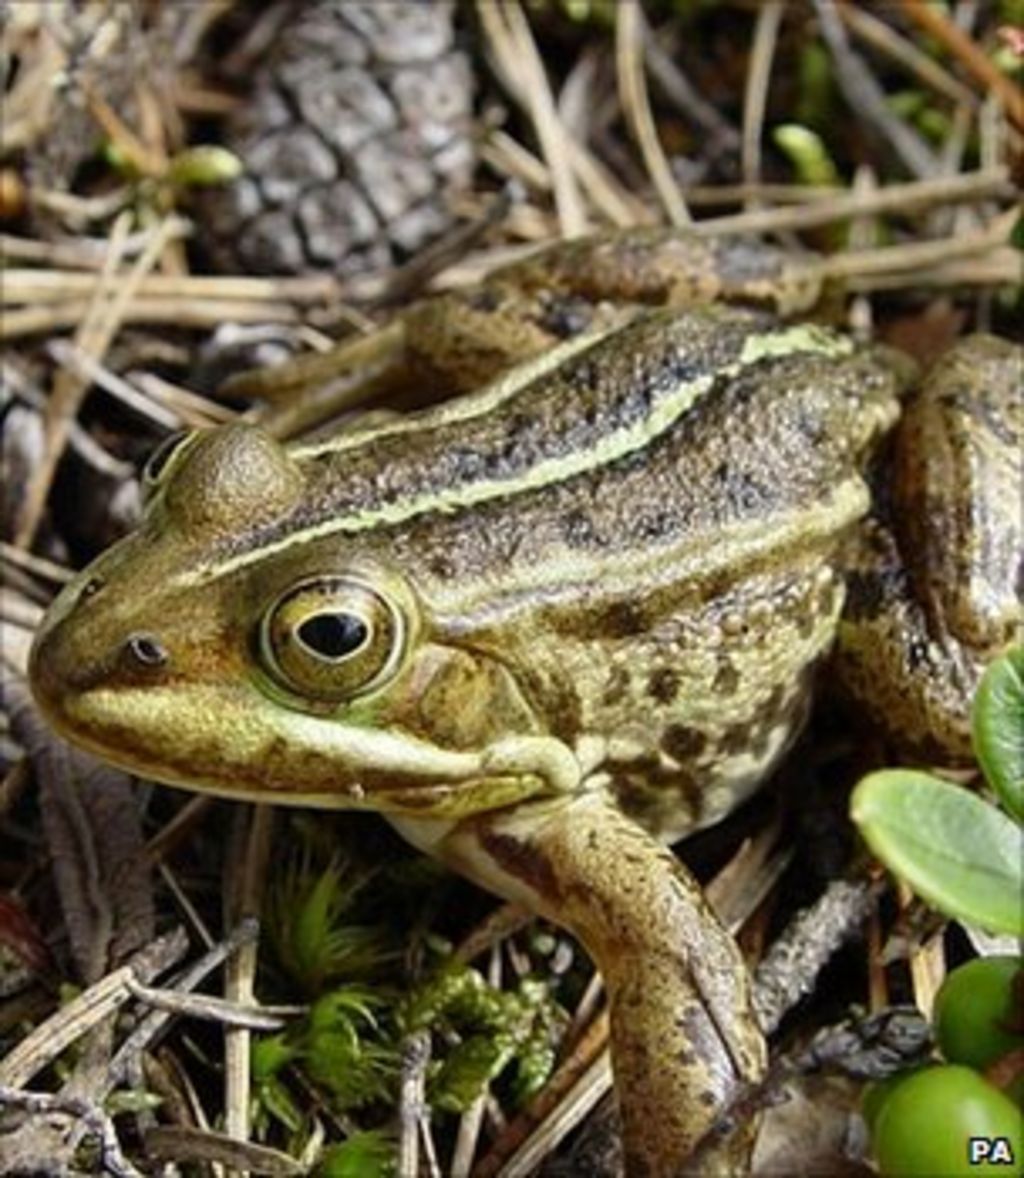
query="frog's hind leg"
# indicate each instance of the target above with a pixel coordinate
(450, 343)
(672, 267)
(933, 591)
(912, 684)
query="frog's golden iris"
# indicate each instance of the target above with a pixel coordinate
(332, 639)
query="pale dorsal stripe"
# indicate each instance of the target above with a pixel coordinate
(615, 444)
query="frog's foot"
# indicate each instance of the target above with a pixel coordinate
(684, 1038)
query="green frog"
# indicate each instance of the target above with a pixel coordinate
(549, 625)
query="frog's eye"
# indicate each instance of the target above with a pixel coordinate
(332, 639)
(163, 460)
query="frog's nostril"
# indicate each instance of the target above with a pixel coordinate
(147, 650)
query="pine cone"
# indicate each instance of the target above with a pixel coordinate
(354, 138)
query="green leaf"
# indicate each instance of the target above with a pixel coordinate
(364, 1155)
(308, 921)
(274, 1100)
(204, 166)
(354, 1062)
(958, 852)
(269, 1055)
(807, 153)
(468, 1069)
(998, 720)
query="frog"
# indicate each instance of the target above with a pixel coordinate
(570, 605)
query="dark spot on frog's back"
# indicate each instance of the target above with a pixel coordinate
(656, 525)
(737, 738)
(616, 687)
(565, 317)
(663, 685)
(585, 375)
(727, 679)
(468, 465)
(487, 298)
(748, 493)
(811, 427)
(682, 743)
(577, 529)
(442, 567)
(622, 619)
(825, 602)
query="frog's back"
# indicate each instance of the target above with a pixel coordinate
(680, 443)
(645, 528)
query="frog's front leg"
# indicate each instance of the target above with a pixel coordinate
(684, 1036)
(934, 587)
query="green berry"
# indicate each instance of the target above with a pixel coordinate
(977, 1014)
(875, 1095)
(927, 1123)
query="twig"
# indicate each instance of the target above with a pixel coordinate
(412, 1101)
(193, 408)
(894, 198)
(83, 443)
(46, 1042)
(915, 255)
(679, 90)
(933, 21)
(510, 157)
(20, 611)
(792, 964)
(35, 286)
(85, 1119)
(147, 161)
(515, 51)
(89, 370)
(615, 202)
(783, 194)
(766, 34)
(637, 108)
(174, 312)
(81, 253)
(93, 337)
(864, 95)
(213, 1009)
(882, 36)
(28, 104)
(558, 1122)
(180, 1143)
(243, 934)
(38, 566)
(247, 875)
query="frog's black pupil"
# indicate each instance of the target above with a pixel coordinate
(333, 635)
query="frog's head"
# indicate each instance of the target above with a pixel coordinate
(233, 646)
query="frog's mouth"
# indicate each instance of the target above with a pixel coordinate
(233, 741)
